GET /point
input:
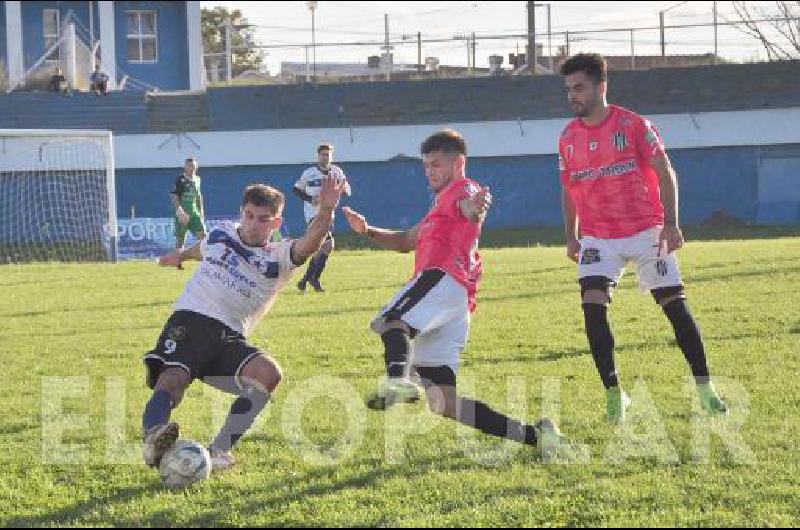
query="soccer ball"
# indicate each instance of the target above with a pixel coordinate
(184, 463)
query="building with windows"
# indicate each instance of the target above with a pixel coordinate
(142, 44)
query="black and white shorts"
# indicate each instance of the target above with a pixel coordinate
(609, 257)
(202, 346)
(437, 306)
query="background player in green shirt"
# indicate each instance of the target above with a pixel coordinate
(188, 201)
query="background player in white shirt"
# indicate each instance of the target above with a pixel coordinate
(206, 337)
(307, 188)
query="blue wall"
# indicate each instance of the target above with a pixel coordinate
(33, 29)
(171, 71)
(394, 193)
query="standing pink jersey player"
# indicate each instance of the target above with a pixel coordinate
(620, 200)
(432, 312)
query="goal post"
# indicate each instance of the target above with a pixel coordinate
(57, 196)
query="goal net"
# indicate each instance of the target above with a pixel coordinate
(57, 196)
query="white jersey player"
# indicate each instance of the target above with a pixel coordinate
(236, 284)
(307, 188)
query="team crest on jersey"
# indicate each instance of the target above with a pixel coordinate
(177, 333)
(620, 141)
(590, 256)
(593, 146)
(651, 136)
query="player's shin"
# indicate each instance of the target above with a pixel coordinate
(158, 410)
(477, 414)
(243, 413)
(322, 260)
(601, 342)
(396, 348)
(687, 334)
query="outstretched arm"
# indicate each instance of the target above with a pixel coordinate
(177, 257)
(476, 206)
(400, 241)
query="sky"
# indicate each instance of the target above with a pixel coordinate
(289, 23)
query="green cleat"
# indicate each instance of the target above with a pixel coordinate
(617, 403)
(710, 400)
(391, 392)
(548, 437)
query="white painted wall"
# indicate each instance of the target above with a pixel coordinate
(500, 138)
(14, 52)
(195, 45)
(108, 45)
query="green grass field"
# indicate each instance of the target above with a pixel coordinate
(71, 338)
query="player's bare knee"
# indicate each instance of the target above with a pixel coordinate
(666, 295)
(442, 400)
(596, 297)
(262, 372)
(437, 402)
(382, 324)
(596, 290)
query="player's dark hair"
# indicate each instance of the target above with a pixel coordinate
(190, 159)
(263, 195)
(446, 141)
(324, 147)
(592, 64)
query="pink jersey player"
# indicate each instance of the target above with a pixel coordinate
(620, 201)
(425, 327)
(606, 170)
(448, 241)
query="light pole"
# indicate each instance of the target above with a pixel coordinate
(661, 26)
(312, 6)
(534, 59)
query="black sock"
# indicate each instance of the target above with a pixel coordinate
(310, 270)
(601, 342)
(322, 260)
(396, 347)
(157, 410)
(688, 336)
(241, 417)
(478, 415)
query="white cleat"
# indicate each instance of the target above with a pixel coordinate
(221, 460)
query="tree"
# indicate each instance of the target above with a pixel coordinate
(245, 51)
(783, 42)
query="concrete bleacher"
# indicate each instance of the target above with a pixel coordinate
(658, 91)
(121, 112)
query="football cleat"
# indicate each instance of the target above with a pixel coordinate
(548, 437)
(157, 441)
(617, 403)
(221, 460)
(710, 400)
(393, 391)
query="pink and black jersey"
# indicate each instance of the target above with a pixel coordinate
(448, 241)
(607, 172)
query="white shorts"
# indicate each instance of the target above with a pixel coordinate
(437, 306)
(608, 257)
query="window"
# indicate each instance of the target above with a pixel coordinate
(142, 36)
(51, 29)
